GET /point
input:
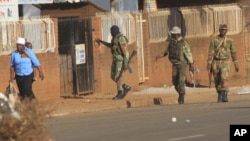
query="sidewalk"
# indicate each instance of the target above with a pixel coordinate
(147, 97)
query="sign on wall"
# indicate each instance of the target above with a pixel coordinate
(9, 10)
(34, 1)
(80, 54)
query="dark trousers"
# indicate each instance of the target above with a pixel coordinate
(24, 84)
(179, 76)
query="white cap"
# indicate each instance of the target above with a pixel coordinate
(175, 30)
(20, 41)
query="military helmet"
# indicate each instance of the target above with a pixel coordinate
(175, 30)
(223, 26)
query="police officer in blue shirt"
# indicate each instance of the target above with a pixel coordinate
(21, 68)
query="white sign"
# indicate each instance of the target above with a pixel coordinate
(9, 10)
(34, 1)
(80, 54)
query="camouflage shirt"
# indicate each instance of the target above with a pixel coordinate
(116, 48)
(222, 49)
(179, 51)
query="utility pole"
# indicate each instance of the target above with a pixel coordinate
(112, 5)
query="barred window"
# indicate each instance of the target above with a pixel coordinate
(125, 22)
(40, 32)
(8, 34)
(195, 21)
(230, 14)
(158, 26)
(198, 21)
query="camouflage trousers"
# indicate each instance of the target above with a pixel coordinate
(221, 69)
(116, 73)
(179, 77)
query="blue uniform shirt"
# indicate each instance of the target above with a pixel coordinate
(24, 65)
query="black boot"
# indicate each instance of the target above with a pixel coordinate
(224, 96)
(118, 96)
(181, 98)
(126, 89)
(220, 96)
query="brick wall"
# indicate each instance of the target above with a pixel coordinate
(146, 44)
(160, 73)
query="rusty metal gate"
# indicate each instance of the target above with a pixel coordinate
(77, 72)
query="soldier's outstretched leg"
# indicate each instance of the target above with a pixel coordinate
(181, 98)
(118, 96)
(126, 89)
(224, 96)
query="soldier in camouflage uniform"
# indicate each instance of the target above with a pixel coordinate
(120, 57)
(180, 55)
(220, 50)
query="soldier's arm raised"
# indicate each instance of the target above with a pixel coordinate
(103, 42)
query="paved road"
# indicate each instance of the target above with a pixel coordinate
(195, 122)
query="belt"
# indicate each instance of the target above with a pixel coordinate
(225, 59)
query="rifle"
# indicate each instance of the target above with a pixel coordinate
(134, 52)
(192, 75)
(210, 75)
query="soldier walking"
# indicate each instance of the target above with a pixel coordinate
(180, 55)
(120, 57)
(221, 47)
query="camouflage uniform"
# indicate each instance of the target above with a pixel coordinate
(180, 55)
(219, 54)
(119, 60)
